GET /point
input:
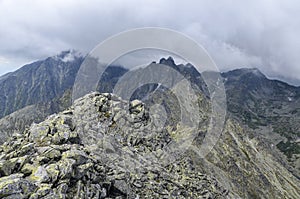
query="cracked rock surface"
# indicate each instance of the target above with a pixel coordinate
(96, 150)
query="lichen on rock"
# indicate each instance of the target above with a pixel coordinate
(76, 154)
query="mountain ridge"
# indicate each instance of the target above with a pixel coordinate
(70, 155)
(269, 107)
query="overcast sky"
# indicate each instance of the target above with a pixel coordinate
(257, 33)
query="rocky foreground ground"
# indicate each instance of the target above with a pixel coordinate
(83, 153)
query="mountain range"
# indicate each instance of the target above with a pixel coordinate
(257, 156)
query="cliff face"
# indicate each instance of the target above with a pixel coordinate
(104, 147)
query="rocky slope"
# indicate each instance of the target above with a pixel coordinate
(77, 154)
(17, 121)
(270, 107)
(95, 149)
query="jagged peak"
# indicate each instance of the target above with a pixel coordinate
(169, 61)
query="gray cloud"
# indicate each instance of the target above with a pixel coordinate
(258, 33)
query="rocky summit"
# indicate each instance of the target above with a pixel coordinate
(83, 153)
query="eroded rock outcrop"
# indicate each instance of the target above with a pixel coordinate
(85, 152)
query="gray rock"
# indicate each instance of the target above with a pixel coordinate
(15, 185)
(86, 153)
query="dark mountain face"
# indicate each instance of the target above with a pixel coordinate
(253, 82)
(270, 107)
(42, 88)
(259, 101)
(38, 82)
